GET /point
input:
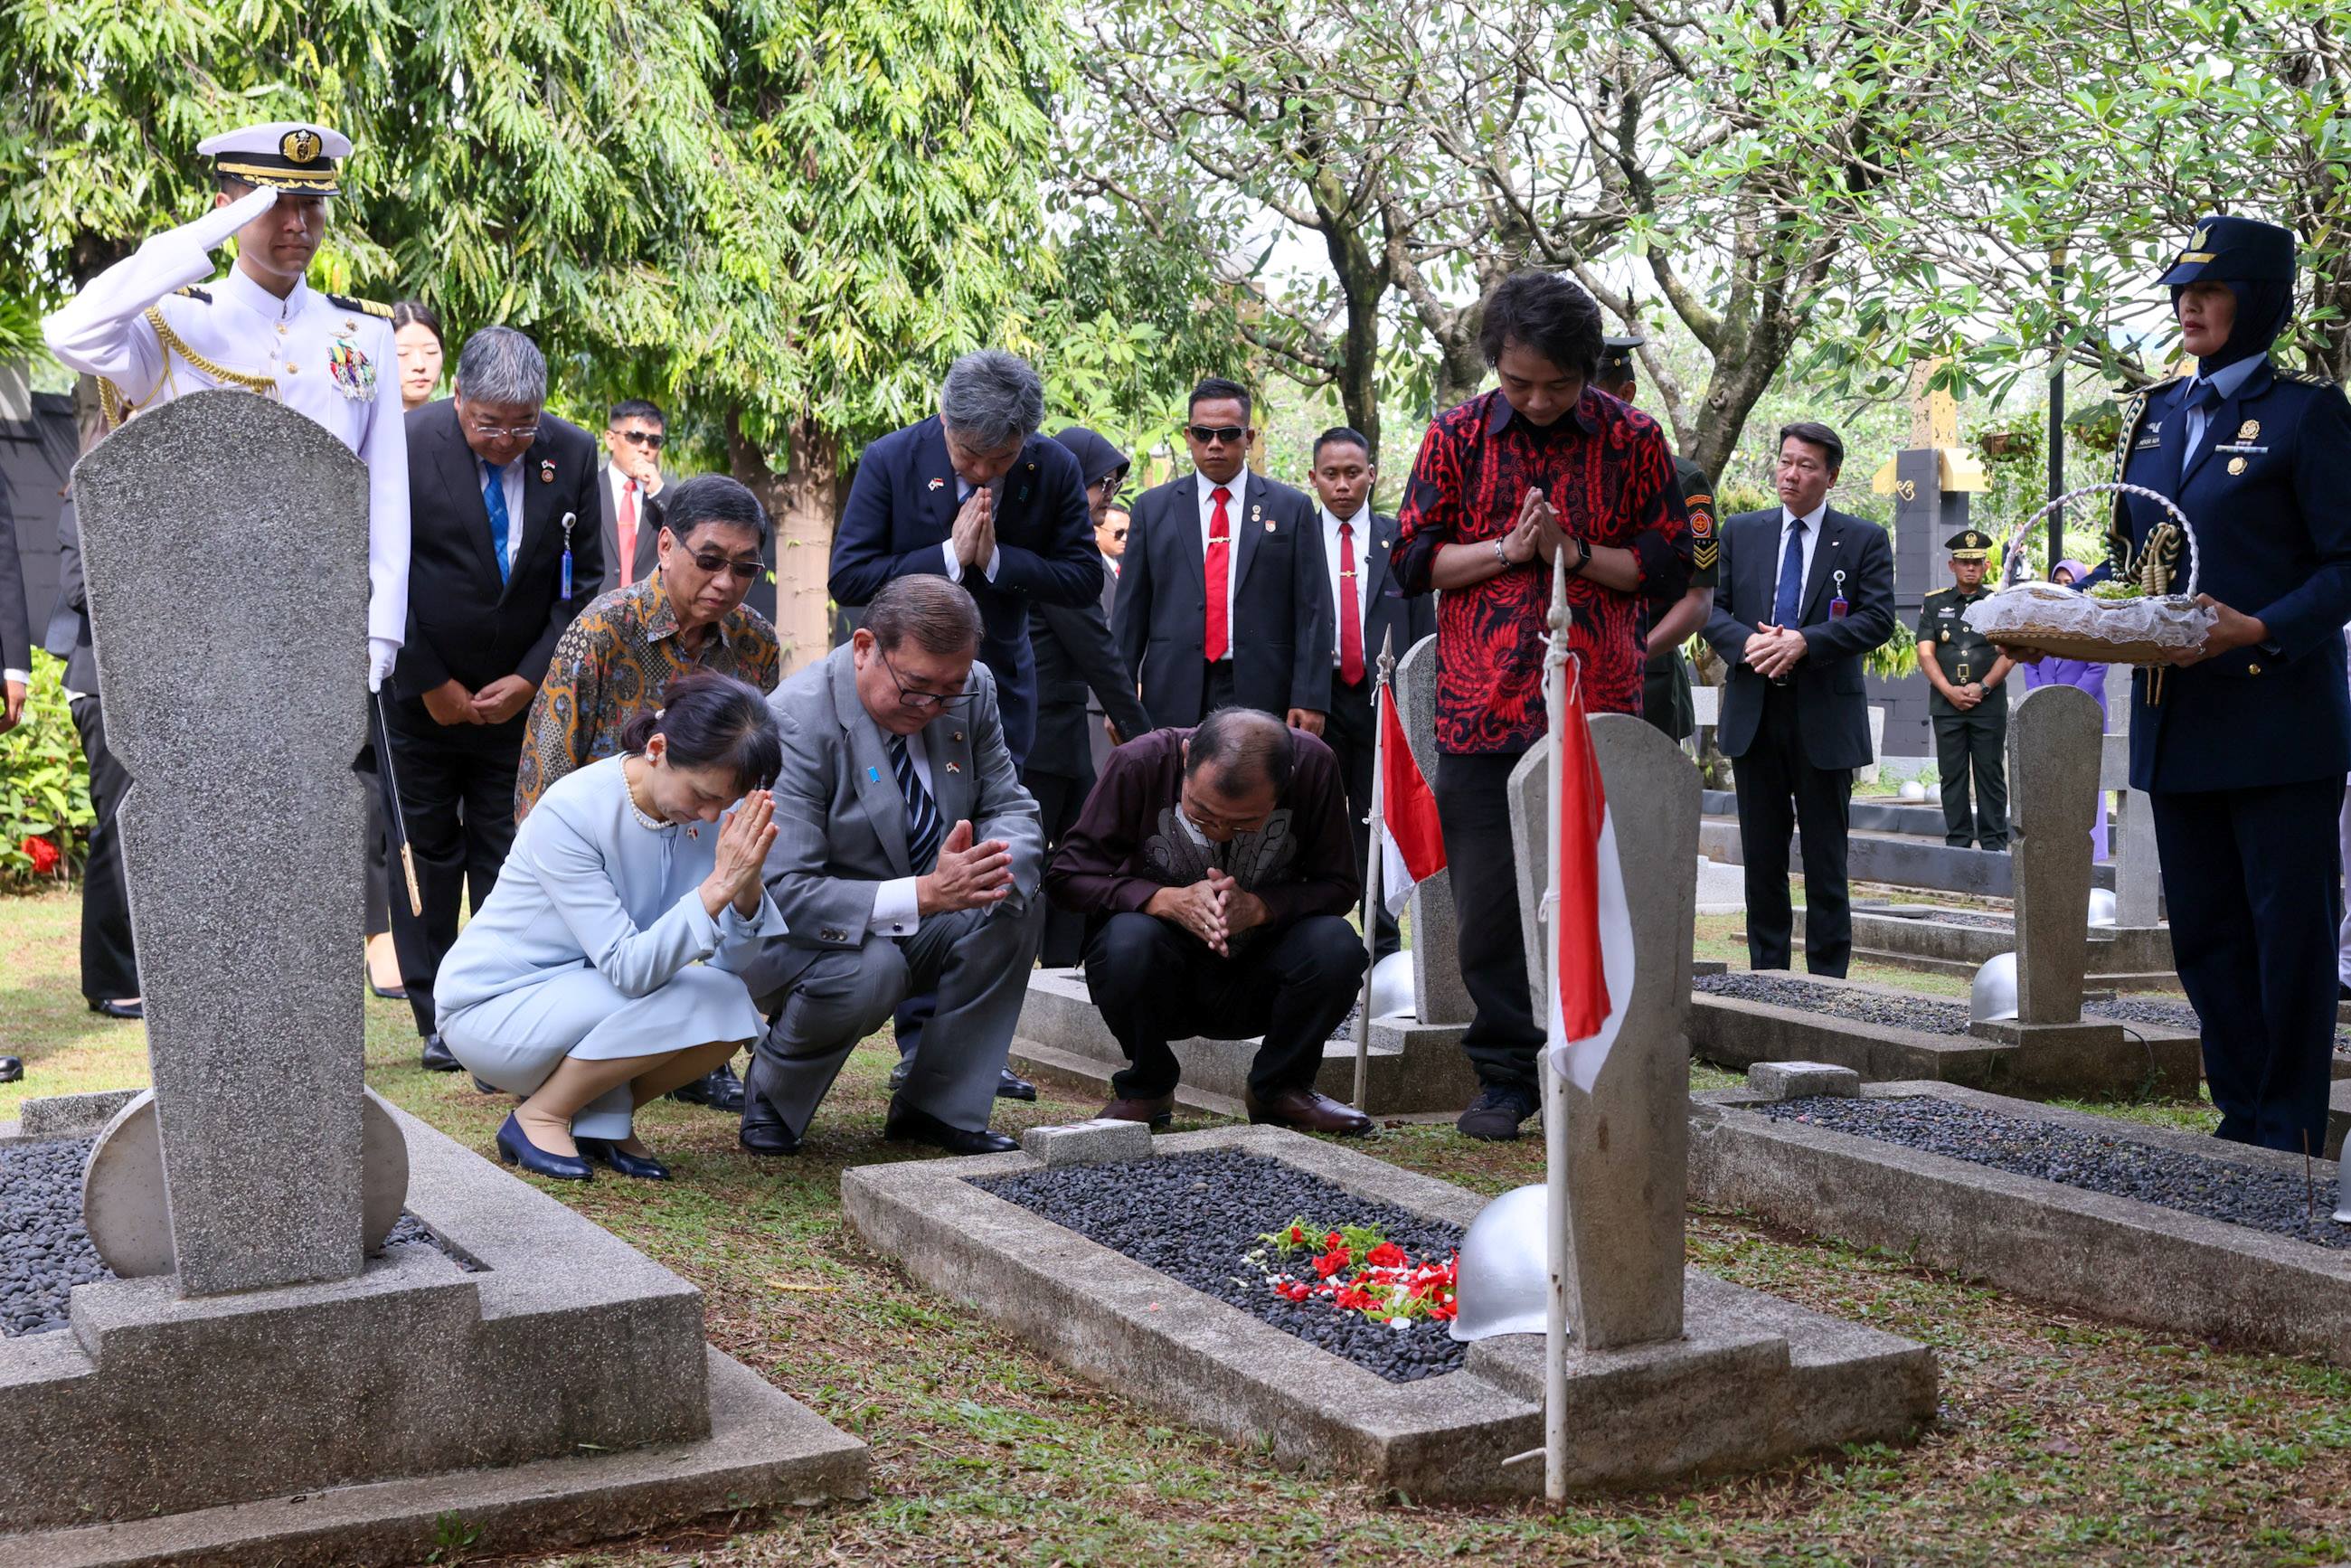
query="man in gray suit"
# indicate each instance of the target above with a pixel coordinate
(906, 860)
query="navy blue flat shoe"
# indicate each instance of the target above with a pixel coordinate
(644, 1167)
(515, 1148)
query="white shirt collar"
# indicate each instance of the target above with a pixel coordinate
(239, 289)
(1237, 484)
(1361, 522)
(1812, 518)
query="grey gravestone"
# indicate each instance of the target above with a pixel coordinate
(1529, 799)
(1439, 995)
(1629, 1129)
(2139, 869)
(2054, 744)
(225, 542)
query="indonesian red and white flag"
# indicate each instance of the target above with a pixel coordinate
(1412, 844)
(1592, 922)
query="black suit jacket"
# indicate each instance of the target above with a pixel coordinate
(464, 623)
(68, 632)
(15, 616)
(1075, 653)
(1281, 613)
(902, 509)
(1832, 714)
(649, 520)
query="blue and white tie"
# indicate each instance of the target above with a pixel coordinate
(494, 498)
(924, 828)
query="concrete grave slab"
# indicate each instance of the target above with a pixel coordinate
(2082, 1250)
(1930, 942)
(1439, 995)
(1751, 1380)
(1736, 1032)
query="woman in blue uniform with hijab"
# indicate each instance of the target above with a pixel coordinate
(2242, 746)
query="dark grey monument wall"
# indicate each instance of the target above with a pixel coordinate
(36, 455)
(1924, 516)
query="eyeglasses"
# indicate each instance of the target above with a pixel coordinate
(743, 571)
(921, 702)
(651, 438)
(1212, 434)
(497, 433)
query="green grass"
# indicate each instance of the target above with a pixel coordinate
(2062, 1441)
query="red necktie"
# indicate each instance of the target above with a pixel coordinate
(1220, 541)
(627, 529)
(1350, 615)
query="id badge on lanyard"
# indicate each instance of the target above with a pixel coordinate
(1838, 608)
(570, 519)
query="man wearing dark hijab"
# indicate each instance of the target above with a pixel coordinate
(2241, 745)
(1075, 651)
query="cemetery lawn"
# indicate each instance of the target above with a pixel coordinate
(2062, 1440)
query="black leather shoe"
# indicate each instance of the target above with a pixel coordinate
(11, 1068)
(393, 994)
(644, 1167)
(763, 1131)
(515, 1148)
(719, 1089)
(132, 1011)
(437, 1057)
(922, 1127)
(898, 1073)
(1494, 1116)
(1010, 1085)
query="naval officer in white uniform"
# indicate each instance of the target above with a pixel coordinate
(149, 336)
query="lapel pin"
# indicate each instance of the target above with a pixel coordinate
(958, 735)
(955, 766)
(2248, 430)
(546, 470)
(938, 484)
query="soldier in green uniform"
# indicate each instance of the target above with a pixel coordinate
(1969, 700)
(1666, 679)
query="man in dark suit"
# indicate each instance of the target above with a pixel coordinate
(1256, 631)
(16, 626)
(1364, 612)
(1076, 654)
(628, 488)
(974, 494)
(2241, 748)
(491, 478)
(1805, 592)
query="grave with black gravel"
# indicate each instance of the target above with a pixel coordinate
(45, 1251)
(2118, 1166)
(1923, 1014)
(2163, 1013)
(1197, 1217)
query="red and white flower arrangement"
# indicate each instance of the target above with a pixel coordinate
(1355, 1269)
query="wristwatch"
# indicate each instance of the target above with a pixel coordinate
(1582, 558)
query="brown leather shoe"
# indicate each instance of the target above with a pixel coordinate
(1309, 1113)
(1153, 1110)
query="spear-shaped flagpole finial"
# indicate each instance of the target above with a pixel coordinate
(1387, 661)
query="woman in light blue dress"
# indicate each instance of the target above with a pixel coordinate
(604, 970)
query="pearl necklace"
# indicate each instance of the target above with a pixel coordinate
(644, 819)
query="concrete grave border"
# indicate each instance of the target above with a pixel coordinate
(1754, 1380)
(2086, 1251)
(2123, 959)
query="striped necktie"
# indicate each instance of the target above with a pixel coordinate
(924, 828)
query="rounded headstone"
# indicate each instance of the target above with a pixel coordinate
(125, 1208)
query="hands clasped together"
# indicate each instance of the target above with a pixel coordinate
(974, 538)
(970, 876)
(738, 869)
(451, 704)
(1215, 909)
(1774, 651)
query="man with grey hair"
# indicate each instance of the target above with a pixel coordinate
(495, 579)
(906, 860)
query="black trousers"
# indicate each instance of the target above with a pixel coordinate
(1973, 742)
(457, 793)
(1218, 690)
(1059, 798)
(1351, 727)
(379, 845)
(1781, 792)
(1474, 808)
(2251, 880)
(1154, 982)
(109, 968)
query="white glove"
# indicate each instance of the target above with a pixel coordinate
(382, 654)
(213, 229)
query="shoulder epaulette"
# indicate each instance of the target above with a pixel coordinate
(349, 302)
(1936, 593)
(201, 296)
(2305, 378)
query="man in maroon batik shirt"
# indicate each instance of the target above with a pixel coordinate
(1504, 483)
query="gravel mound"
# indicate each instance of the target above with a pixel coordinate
(2165, 1014)
(1968, 917)
(44, 1251)
(2188, 1183)
(1193, 1218)
(1922, 1014)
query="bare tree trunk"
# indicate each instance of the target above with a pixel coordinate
(801, 502)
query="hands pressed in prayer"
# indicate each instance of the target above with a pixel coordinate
(974, 530)
(1243, 909)
(742, 856)
(970, 876)
(1197, 908)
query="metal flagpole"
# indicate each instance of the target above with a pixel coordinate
(1554, 1101)
(1371, 864)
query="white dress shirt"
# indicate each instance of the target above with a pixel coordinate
(1812, 542)
(510, 479)
(1236, 517)
(243, 327)
(1361, 542)
(995, 555)
(898, 908)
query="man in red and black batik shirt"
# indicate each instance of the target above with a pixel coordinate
(1543, 464)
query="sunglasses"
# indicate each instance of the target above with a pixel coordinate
(1212, 434)
(640, 437)
(744, 570)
